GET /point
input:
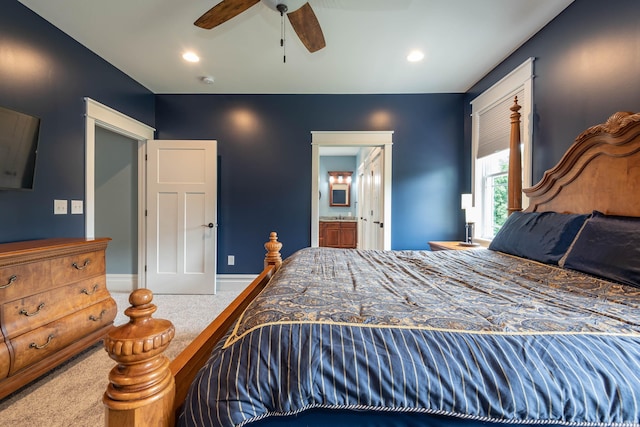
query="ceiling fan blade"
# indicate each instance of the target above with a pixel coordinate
(307, 27)
(223, 11)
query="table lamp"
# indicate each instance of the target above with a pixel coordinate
(469, 216)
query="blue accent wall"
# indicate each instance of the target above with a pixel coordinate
(264, 145)
(587, 67)
(45, 73)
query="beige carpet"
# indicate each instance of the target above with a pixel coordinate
(71, 394)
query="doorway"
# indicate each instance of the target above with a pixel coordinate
(116, 207)
(99, 115)
(322, 141)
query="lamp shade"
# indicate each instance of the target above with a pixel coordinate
(470, 215)
(466, 201)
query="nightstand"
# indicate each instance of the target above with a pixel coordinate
(452, 246)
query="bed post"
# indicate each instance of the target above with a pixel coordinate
(145, 389)
(514, 203)
(273, 257)
(141, 387)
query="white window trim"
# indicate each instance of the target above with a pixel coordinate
(520, 78)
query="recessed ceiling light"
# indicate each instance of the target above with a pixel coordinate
(415, 56)
(190, 57)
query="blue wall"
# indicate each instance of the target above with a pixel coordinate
(587, 67)
(45, 73)
(264, 145)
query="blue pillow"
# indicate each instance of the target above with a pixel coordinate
(540, 236)
(608, 247)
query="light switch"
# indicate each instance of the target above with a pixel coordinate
(59, 207)
(76, 207)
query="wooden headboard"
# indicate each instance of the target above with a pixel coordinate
(600, 171)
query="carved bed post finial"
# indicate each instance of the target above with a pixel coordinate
(514, 202)
(141, 387)
(273, 247)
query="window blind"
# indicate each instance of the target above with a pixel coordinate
(494, 126)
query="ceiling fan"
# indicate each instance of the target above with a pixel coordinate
(300, 14)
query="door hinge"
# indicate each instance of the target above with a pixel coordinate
(146, 157)
(146, 212)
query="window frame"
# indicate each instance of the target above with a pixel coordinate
(520, 79)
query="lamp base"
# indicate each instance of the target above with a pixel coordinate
(468, 232)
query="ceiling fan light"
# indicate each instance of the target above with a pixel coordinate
(292, 5)
(415, 56)
(190, 57)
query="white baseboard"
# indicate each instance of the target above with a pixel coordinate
(122, 282)
(233, 282)
(224, 282)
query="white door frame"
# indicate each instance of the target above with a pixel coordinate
(350, 139)
(98, 114)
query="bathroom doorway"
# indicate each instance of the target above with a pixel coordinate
(363, 143)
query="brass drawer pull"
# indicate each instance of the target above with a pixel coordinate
(83, 266)
(40, 347)
(86, 292)
(96, 319)
(12, 279)
(26, 313)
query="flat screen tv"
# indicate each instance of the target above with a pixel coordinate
(19, 134)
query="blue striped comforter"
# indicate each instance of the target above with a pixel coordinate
(469, 334)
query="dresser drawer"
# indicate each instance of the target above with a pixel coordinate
(24, 279)
(33, 346)
(4, 360)
(72, 268)
(28, 313)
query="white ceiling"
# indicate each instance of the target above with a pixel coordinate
(367, 43)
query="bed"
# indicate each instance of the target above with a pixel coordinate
(543, 328)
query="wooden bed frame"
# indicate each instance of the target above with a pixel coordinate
(600, 171)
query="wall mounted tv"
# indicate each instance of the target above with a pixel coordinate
(19, 134)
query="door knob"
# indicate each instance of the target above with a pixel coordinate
(210, 225)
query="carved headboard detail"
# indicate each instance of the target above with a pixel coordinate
(600, 171)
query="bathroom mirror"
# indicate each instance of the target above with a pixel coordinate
(340, 188)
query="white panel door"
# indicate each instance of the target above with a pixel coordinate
(366, 216)
(181, 216)
(362, 208)
(372, 199)
(377, 204)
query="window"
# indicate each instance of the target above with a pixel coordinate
(490, 146)
(493, 192)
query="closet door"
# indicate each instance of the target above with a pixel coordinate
(181, 216)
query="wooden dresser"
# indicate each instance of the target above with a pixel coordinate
(54, 303)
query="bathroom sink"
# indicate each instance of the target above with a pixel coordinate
(338, 218)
